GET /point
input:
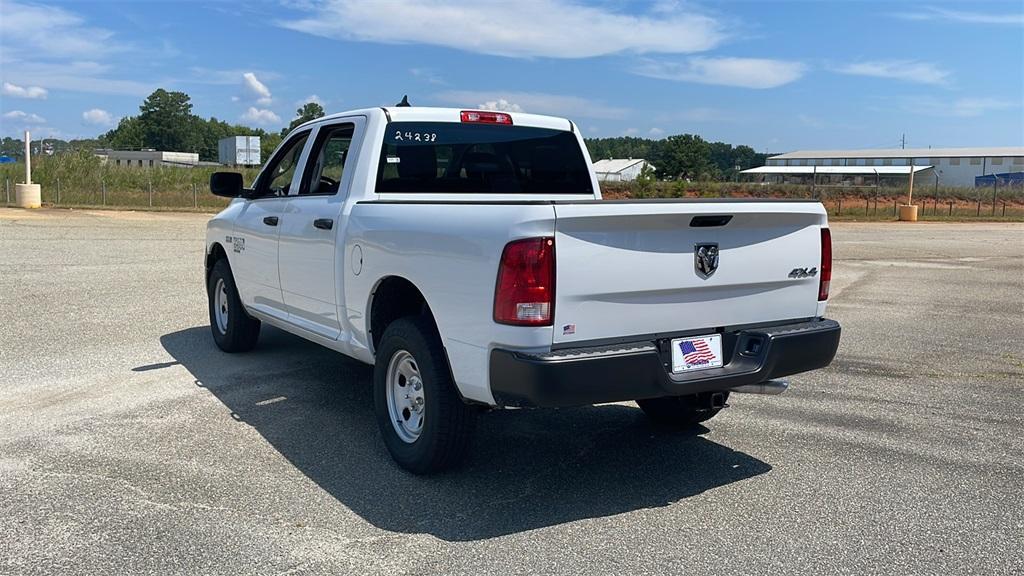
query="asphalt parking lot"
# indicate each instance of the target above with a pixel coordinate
(130, 444)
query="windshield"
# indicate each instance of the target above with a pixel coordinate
(481, 159)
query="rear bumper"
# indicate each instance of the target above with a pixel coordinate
(579, 376)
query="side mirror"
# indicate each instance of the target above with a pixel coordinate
(227, 184)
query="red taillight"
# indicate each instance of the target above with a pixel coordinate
(525, 292)
(482, 117)
(826, 264)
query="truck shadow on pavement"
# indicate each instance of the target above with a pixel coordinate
(528, 468)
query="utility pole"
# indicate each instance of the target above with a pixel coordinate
(903, 141)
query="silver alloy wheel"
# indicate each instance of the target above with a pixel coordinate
(220, 305)
(405, 396)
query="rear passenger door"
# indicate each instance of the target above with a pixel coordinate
(312, 230)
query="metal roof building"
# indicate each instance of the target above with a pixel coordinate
(620, 169)
(148, 158)
(919, 153)
(951, 166)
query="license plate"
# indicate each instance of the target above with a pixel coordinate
(697, 353)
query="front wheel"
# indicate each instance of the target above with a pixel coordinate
(424, 422)
(683, 411)
(233, 329)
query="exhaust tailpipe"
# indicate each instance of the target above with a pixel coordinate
(770, 387)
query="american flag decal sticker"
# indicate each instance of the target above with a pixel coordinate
(696, 353)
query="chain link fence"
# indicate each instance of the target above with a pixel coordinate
(82, 180)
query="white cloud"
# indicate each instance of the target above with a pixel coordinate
(256, 89)
(907, 70)
(260, 116)
(97, 117)
(76, 76)
(962, 17)
(630, 132)
(725, 71)
(46, 31)
(536, 102)
(31, 92)
(57, 48)
(656, 132)
(500, 105)
(20, 117)
(529, 28)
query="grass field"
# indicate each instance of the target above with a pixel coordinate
(81, 180)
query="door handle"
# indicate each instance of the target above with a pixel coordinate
(323, 223)
(270, 220)
(710, 221)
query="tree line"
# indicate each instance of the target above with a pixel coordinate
(165, 122)
(680, 157)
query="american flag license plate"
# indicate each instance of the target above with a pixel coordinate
(697, 353)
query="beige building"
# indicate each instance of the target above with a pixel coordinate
(148, 158)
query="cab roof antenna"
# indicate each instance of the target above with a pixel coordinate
(404, 103)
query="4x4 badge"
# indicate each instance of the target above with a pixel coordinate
(705, 259)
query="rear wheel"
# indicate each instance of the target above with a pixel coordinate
(233, 329)
(424, 422)
(683, 411)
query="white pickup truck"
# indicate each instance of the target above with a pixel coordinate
(469, 257)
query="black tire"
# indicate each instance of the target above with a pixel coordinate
(680, 412)
(447, 421)
(241, 330)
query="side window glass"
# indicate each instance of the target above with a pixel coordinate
(282, 168)
(326, 164)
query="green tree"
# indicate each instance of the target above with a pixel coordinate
(127, 136)
(685, 156)
(644, 183)
(167, 122)
(308, 111)
(726, 158)
(268, 143)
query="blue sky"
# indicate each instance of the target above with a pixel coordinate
(775, 75)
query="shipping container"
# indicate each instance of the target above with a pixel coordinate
(239, 151)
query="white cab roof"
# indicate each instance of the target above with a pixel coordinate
(428, 114)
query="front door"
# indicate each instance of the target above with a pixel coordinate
(312, 227)
(254, 242)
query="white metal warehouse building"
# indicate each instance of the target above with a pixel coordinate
(148, 158)
(950, 166)
(620, 169)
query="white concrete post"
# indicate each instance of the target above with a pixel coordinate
(28, 157)
(28, 195)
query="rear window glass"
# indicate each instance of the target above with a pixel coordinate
(481, 159)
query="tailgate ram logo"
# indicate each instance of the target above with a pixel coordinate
(705, 259)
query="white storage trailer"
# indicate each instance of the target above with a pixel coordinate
(239, 151)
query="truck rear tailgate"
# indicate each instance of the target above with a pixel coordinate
(628, 269)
